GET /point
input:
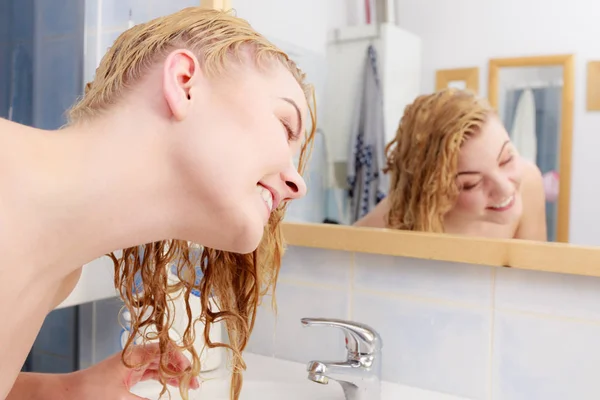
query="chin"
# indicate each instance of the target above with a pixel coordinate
(246, 238)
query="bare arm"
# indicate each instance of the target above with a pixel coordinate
(376, 218)
(533, 221)
(31, 386)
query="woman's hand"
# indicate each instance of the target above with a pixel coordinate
(111, 379)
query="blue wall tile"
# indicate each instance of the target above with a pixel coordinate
(21, 19)
(59, 17)
(4, 78)
(48, 363)
(59, 80)
(5, 9)
(19, 94)
(58, 333)
(108, 329)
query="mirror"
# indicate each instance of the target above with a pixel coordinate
(531, 96)
(369, 83)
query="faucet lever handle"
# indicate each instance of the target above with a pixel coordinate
(360, 338)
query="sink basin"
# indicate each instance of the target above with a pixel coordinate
(272, 390)
(268, 378)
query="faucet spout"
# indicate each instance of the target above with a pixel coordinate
(358, 379)
(359, 375)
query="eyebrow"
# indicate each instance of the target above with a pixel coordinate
(502, 149)
(475, 172)
(298, 113)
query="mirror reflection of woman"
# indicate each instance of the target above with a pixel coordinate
(454, 170)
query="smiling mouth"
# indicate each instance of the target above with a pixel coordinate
(504, 205)
(266, 195)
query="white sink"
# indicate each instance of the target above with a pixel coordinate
(272, 379)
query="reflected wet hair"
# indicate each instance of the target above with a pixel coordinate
(238, 281)
(422, 159)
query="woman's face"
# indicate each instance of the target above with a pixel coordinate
(489, 177)
(239, 136)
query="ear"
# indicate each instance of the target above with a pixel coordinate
(181, 70)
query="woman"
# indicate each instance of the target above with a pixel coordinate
(454, 169)
(187, 133)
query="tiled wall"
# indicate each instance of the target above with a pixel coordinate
(115, 16)
(469, 330)
(16, 60)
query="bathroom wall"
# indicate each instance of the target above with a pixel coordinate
(468, 330)
(470, 32)
(16, 60)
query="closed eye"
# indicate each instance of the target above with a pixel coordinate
(470, 186)
(288, 129)
(506, 161)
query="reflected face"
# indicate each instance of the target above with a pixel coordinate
(489, 177)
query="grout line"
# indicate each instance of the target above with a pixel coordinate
(551, 317)
(52, 354)
(492, 335)
(351, 286)
(93, 333)
(312, 284)
(422, 299)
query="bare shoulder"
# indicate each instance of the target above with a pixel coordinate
(532, 225)
(532, 176)
(375, 218)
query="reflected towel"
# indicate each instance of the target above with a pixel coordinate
(523, 130)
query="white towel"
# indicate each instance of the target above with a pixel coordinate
(523, 129)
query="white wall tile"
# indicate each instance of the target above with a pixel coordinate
(322, 266)
(544, 358)
(115, 13)
(108, 38)
(91, 15)
(159, 8)
(464, 283)
(262, 339)
(430, 345)
(90, 63)
(548, 293)
(297, 343)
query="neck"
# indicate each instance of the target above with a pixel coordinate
(88, 190)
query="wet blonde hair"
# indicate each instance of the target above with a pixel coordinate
(423, 157)
(238, 281)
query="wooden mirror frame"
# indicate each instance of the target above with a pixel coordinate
(469, 75)
(224, 5)
(566, 132)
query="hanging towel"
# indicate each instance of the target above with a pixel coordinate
(523, 129)
(367, 184)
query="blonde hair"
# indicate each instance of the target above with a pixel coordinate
(238, 281)
(423, 157)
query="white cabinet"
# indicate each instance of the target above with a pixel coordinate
(399, 61)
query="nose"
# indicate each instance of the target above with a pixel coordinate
(294, 185)
(503, 188)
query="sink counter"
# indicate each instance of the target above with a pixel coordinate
(268, 378)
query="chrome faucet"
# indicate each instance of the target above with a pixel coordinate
(360, 374)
